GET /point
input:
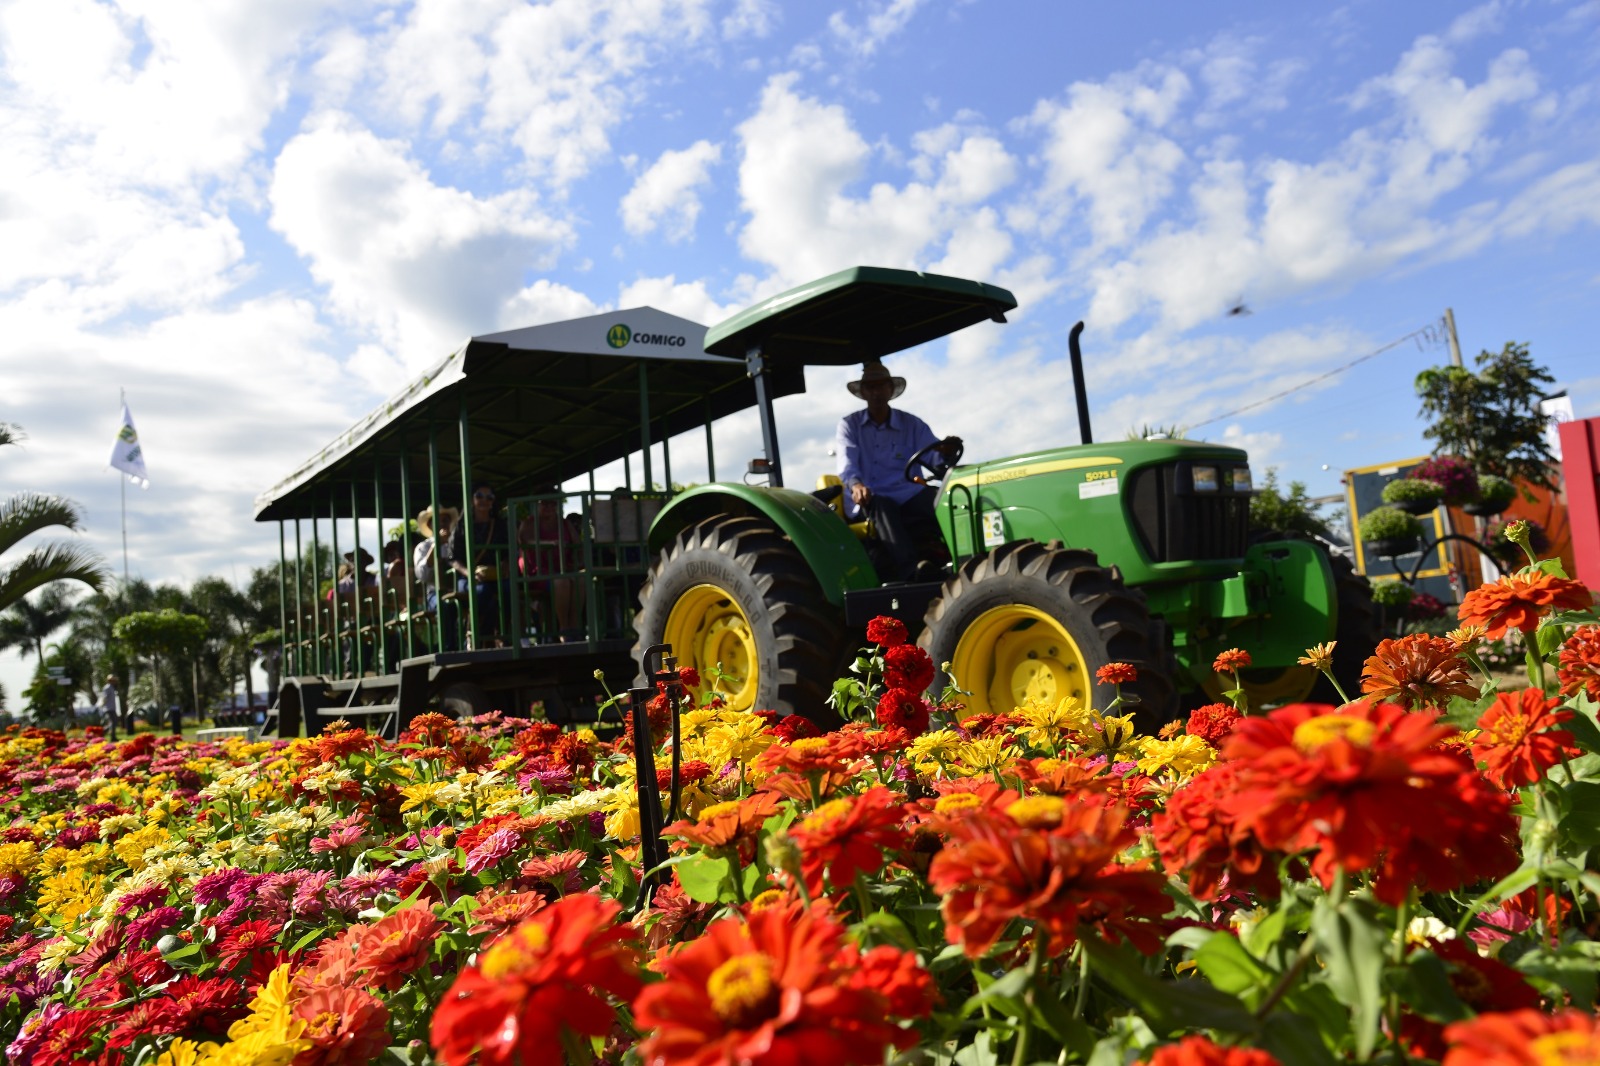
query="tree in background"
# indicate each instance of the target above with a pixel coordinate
(1271, 511)
(28, 624)
(27, 513)
(168, 638)
(1491, 416)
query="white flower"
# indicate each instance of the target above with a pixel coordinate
(1425, 928)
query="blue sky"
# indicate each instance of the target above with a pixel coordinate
(260, 219)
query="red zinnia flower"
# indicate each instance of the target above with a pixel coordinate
(1515, 743)
(849, 836)
(346, 1027)
(397, 944)
(551, 971)
(1580, 662)
(1213, 722)
(1524, 1038)
(1052, 864)
(1517, 601)
(796, 727)
(778, 989)
(244, 940)
(1418, 670)
(886, 632)
(1116, 674)
(903, 709)
(688, 677)
(909, 667)
(1365, 787)
(334, 746)
(1231, 661)
(1200, 1051)
(68, 1038)
(1197, 835)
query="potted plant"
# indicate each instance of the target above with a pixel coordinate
(1389, 531)
(1495, 494)
(1414, 495)
(1451, 473)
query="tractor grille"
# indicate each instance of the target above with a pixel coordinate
(1178, 524)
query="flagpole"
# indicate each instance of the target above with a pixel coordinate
(122, 480)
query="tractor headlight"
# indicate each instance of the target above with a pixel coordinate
(1205, 478)
(1241, 479)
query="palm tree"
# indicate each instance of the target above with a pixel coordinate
(27, 625)
(25, 514)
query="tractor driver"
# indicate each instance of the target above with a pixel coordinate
(873, 446)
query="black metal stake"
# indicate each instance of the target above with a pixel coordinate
(1079, 387)
(651, 851)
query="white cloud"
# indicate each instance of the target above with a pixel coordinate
(687, 299)
(884, 19)
(751, 18)
(545, 301)
(799, 160)
(420, 264)
(667, 194)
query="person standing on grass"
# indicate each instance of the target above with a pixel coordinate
(108, 705)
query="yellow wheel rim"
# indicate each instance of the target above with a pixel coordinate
(709, 632)
(1012, 654)
(1266, 688)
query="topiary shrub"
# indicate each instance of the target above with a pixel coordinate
(1414, 494)
(1392, 594)
(1451, 473)
(1389, 523)
(1495, 494)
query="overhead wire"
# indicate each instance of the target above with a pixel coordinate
(1432, 333)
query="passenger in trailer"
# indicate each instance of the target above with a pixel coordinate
(548, 545)
(422, 565)
(489, 545)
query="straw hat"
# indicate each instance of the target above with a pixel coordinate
(425, 519)
(876, 371)
(366, 558)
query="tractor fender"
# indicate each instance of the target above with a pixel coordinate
(834, 554)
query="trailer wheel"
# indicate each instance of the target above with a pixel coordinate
(738, 603)
(463, 699)
(1031, 622)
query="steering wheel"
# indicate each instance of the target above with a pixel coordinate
(939, 469)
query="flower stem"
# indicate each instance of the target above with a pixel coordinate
(1020, 1056)
(1334, 681)
(1082, 998)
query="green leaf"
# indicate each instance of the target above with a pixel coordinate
(1572, 969)
(1168, 1006)
(1352, 949)
(1580, 825)
(890, 929)
(1290, 1039)
(1583, 730)
(1009, 986)
(703, 877)
(1425, 986)
(624, 885)
(981, 1052)
(1263, 936)
(1550, 638)
(1231, 968)
(753, 877)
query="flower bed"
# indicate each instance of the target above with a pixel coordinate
(1405, 877)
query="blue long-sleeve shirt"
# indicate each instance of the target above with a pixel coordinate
(876, 455)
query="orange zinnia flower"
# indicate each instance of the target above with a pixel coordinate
(1051, 864)
(849, 836)
(1231, 661)
(1197, 836)
(1515, 742)
(1116, 674)
(1518, 601)
(397, 944)
(1200, 1051)
(346, 1027)
(1580, 662)
(1418, 670)
(551, 971)
(1213, 722)
(1365, 787)
(776, 989)
(734, 822)
(1524, 1038)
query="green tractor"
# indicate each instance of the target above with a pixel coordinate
(1057, 562)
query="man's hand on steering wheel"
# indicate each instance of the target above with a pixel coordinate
(950, 450)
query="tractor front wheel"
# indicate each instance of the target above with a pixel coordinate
(737, 602)
(1028, 622)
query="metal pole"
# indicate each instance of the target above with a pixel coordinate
(711, 452)
(406, 547)
(466, 520)
(356, 655)
(1079, 387)
(316, 595)
(283, 607)
(1455, 344)
(438, 523)
(337, 666)
(299, 608)
(122, 480)
(756, 369)
(380, 610)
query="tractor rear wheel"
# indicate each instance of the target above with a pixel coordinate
(1028, 621)
(738, 603)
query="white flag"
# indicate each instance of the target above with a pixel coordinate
(127, 455)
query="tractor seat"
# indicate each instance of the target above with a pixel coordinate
(830, 490)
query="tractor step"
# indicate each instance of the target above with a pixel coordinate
(907, 601)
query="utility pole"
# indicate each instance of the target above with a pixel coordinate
(1455, 344)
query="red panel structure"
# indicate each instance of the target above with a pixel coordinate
(1580, 462)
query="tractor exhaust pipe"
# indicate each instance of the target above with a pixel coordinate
(1078, 387)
